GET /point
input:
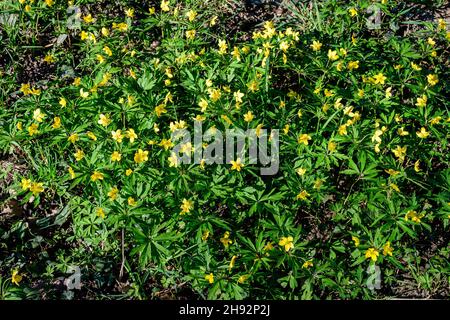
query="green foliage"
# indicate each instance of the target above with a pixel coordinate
(364, 179)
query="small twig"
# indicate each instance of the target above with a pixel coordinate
(123, 255)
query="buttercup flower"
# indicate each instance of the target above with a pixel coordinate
(372, 254)
(287, 243)
(16, 278)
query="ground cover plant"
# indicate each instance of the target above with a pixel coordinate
(91, 93)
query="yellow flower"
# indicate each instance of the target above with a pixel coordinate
(97, 176)
(402, 132)
(301, 171)
(387, 249)
(432, 79)
(160, 109)
(203, 104)
(435, 120)
(191, 14)
(238, 95)
(328, 93)
(441, 24)
(400, 153)
(222, 47)
(431, 42)
(19, 126)
(63, 102)
(388, 92)
(165, 5)
(379, 78)
(284, 46)
(287, 243)
(423, 133)
(49, 58)
(186, 206)
(166, 144)
(214, 94)
(210, 278)
(71, 173)
(205, 235)
(414, 216)
(304, 138)
(56, 123)
(303, 195)
(226, 241)
(236, 165)
(107, 50)
(129, 12)
(117, 135)
(131, 201)
(353, 12)
(79, 155)
(113, 193)
(307, 264)
(242, 278)
(100, 58)
(73, 137)
(190, 34)
(392, 172)
(213, 21)
(16, 277)
(83, 94)
(332, 55)
(116, 156)
(36, 188)
(120, 26)
(26, 183)
(38, 115)
(342, 130)
(253, 86)
(49, 2)
(76, 82)
(356, 241)
(91, 135)
(422, 101)
(417, 166)
(232, 262)
(268, 246)
(248, 117)
(100, 213)
(88, 18)
(372, 253)
(104, 120)
(394, 187)
(202, 163)
(353, 65)
(415, 66)
(236, 54)
(318, 183)
(128, 172)
(331, 146)
(105, 32)
(173, 160)
(131, 135)
(316, 45)
(25, 89)
(140, 156)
